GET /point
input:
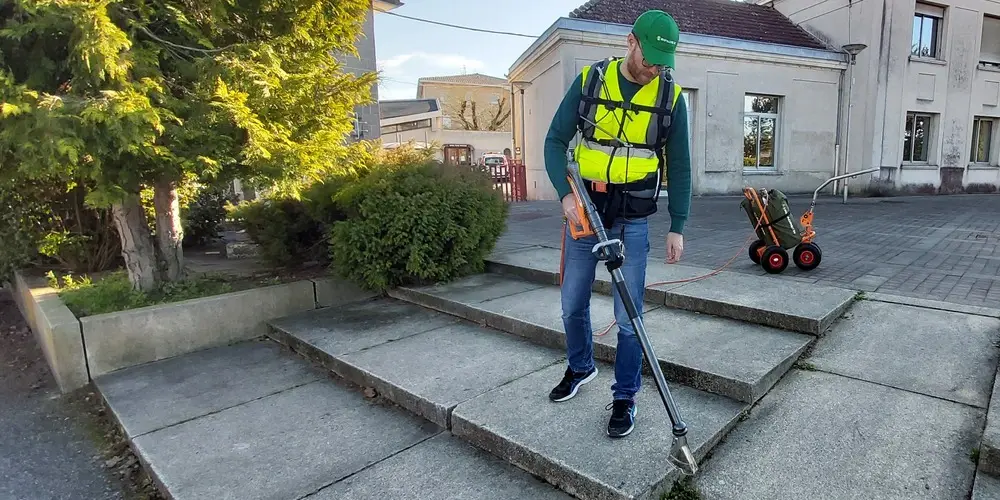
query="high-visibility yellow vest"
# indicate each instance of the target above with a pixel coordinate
(622, 142)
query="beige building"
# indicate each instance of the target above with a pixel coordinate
(770, 100)
(422, 122)
(762, 94)
(926, 87)
(470, 102)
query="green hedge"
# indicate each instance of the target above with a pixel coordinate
(292, 231)
(421, 223)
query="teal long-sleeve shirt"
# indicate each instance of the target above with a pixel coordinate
(563, 128)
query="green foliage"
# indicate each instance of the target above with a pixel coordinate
(294, 229)
(126, 94)
(129, 92)
(202, 218)
(426, 222)
(284, 229)
(114, 292)
(46, 222)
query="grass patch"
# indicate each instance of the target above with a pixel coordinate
(974, 455)
(114, 293)
(806, 366)
(682, 490)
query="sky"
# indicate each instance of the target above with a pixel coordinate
(408, 49)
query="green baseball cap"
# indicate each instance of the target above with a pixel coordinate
(657, 34)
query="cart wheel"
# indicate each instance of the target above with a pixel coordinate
(775, 259)
(807, 256)
(754, 249)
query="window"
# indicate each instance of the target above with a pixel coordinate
(926, 31)
(916, 137)
(982, 139)
(989, 52)
(760, 124)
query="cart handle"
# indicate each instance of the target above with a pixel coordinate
(837, 178)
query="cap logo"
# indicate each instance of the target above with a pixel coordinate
(661, 39)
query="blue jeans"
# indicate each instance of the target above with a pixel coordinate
(579, 269)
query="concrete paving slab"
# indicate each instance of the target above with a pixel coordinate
(989, 449)
(283, 446)
(986, 487)
(441, 468)
(531, 314)
(822, 436)
(566, 443)
(992, 312)
(719, 355)
(883, 343)
(541, 265)
(764, 300)
(148, 397)
(432, 372)
(357, 326)
(537, 264)
(481, 287)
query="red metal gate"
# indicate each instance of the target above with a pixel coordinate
(510, 179)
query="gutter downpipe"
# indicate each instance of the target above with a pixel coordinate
(840, 119)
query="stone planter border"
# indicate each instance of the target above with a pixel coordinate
(79, 349)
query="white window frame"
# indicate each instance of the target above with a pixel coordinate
(928, 138)
(990, 149)
(777, 126)
(933, 14)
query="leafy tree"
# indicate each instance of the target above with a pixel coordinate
(138, 94)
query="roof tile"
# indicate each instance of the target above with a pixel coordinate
(724, 18)
(469, 79)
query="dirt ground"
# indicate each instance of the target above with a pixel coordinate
(56, 446)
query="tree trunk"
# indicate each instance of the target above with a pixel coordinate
(137, 244)
(169, 232)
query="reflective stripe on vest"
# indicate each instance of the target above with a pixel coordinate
(610, 160)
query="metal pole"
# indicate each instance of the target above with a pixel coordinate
(847, 139)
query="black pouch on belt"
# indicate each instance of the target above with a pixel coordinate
(639, 199)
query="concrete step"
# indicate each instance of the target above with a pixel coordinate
(566, 442)
(989, 448)
(491, 388)
(756, 298)
(254, 421)
(436, 361)
(719, 355)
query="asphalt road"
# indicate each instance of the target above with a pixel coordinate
(52, 446)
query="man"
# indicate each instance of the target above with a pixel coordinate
(623, 178)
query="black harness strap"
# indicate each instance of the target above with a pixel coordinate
(590, 86)
(666, 109)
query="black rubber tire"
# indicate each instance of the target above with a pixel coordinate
(757, 245)
(807, 256)
(775, 259)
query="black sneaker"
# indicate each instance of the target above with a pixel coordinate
(622, 417)
(570, 383)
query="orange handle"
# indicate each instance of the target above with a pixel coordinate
(583, 229)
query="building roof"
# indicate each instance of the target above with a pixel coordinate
(469, 79)
(406, 107)
(722, 18)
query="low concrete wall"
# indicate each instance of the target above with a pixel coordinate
(79, 349)
(56, 329)
(334, 291)
(122, 339)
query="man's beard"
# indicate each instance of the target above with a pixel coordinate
(638, 72)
